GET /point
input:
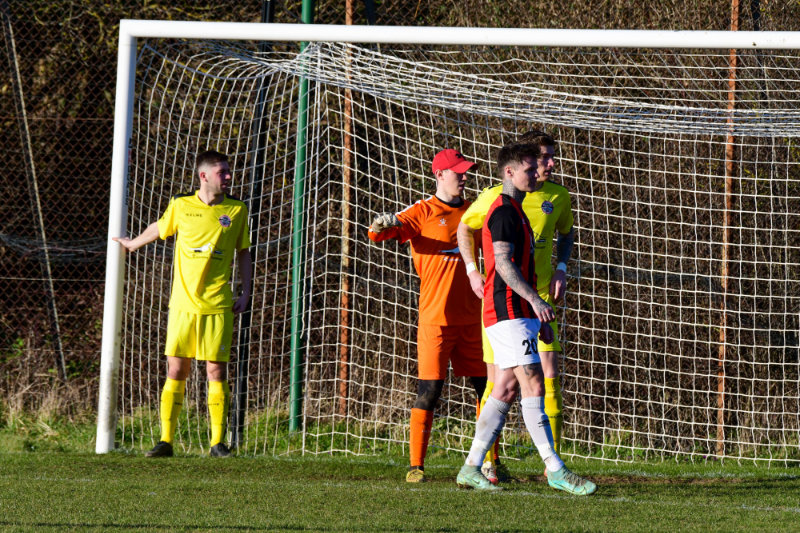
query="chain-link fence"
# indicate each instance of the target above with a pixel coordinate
(56, 123)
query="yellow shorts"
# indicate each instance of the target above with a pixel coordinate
(488, 354)
(203, 337)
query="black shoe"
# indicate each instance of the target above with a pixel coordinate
(220, 450)
(161, 449)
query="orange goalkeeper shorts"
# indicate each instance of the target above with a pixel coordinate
(460, 345)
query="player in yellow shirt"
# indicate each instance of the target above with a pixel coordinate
(211, 230)
(548, 209)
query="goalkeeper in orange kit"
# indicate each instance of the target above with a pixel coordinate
(449, 327)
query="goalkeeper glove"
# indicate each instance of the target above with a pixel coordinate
(384, 221)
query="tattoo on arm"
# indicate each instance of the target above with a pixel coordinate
(564, 246)
(511, 273)
(539, 305)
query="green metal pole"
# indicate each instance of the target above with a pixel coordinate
(298, 281)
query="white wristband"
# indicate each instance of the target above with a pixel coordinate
(471, 267)
(562, 266)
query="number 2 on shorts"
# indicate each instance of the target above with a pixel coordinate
(531, 346)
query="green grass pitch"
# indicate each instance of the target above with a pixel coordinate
(67, 491)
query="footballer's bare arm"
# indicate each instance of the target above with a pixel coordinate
(146, 237)
(512, 275)
(564, 245)
(466, 245)
(245, 262)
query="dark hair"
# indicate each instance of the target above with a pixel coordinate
(515, 153)
(536, 138)
(209, 157)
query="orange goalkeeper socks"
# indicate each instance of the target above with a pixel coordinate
(421, 423)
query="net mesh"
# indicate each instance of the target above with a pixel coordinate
(680, 326)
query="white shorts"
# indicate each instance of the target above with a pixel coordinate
(515, 342)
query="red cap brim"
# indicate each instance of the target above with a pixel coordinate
(462, 167)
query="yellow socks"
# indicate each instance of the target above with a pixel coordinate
(487, 392)
(218, 395)
(171, 404)
(552, 407)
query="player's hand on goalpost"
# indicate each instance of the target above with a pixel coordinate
(124, 241)
(146, 237)
(131, 245)
(384, 221)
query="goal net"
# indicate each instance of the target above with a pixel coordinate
(680, 326)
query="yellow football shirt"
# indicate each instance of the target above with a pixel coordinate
(548, 209)
(207, 239)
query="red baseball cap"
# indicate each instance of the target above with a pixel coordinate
(451, 160)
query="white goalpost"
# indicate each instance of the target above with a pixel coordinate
(681, 326)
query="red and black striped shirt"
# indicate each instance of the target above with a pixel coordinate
(506, 222)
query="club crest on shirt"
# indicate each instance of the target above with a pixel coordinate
(225, 221)
(442, 222)
(547, 207)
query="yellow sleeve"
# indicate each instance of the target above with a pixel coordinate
(167, 224)
(565, 220)
(244, 237)
(476, 213)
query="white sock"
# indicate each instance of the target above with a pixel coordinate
(489, 426)
(539, 427)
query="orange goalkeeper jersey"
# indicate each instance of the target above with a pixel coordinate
(446, 298)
